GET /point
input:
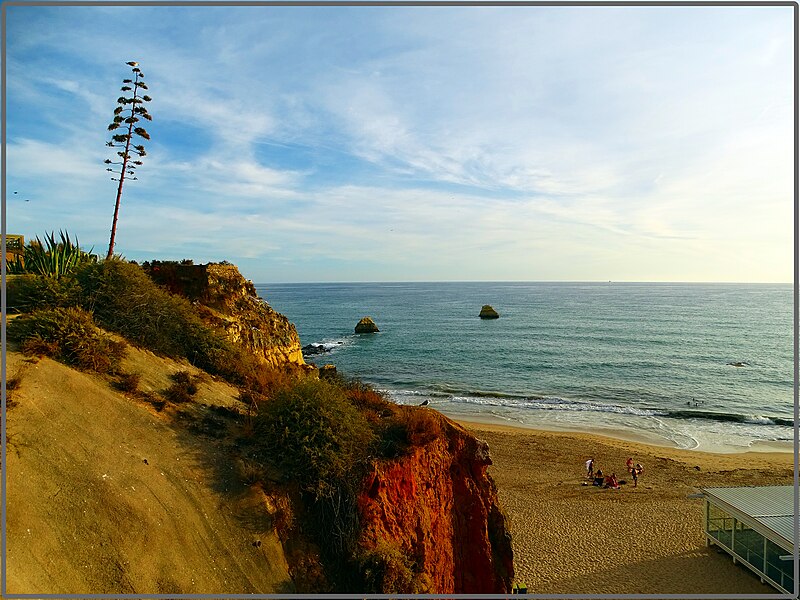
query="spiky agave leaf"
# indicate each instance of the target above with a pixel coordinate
(54, 258)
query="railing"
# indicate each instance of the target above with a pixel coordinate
(15, 244)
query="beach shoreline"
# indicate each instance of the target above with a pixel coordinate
(571, 537)
(621, 433)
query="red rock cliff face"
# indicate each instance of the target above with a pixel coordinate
(440, 505)
(233, 306)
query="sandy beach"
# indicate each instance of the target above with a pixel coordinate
(576, 539)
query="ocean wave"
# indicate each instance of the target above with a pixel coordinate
(331, 345)
(729, 417)
(555, 403)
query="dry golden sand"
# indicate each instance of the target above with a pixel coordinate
(571, 538)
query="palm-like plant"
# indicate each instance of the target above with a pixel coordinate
(51, 258)
(130, 110)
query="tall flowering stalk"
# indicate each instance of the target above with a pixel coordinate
(130, 110)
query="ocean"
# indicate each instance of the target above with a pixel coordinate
(650, 361)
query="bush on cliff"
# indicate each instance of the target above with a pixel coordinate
(387, 570)
(314, 435)
(125, 300)
(32, 292)
(69, 335)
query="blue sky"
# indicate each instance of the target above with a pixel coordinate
(416, 143)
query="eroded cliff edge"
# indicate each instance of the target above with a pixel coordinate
(229, 302)
(439, 504)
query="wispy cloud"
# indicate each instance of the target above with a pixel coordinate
(527, 143)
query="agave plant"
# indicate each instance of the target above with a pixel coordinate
(53, 258)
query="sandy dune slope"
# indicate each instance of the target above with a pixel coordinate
(104, 495)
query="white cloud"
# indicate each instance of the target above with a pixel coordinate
(525, 142)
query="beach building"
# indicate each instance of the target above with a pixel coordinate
(755, 525)
(15, 246)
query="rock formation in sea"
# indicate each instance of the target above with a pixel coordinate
(229, 302)
(366, 325)
(440, 505)
(487, 312)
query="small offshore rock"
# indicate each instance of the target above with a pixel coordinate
(366, 325)
(312, 349)
(738, 364)
(487, 312)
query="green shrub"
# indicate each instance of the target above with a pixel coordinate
(128, 382)
(69, 335)
(31, 292)
(125, 300)
(387, 570)
(37, 346)
(183, 388)
(314, 435)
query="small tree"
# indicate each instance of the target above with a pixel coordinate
(130, 110)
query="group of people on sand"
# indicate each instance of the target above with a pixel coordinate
(610, 481)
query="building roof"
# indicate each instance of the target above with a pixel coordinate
(771, 506)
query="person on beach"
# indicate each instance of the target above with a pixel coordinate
(629, 464)
(611, 482)
(635, 472)
(590, 469)
(598, 478)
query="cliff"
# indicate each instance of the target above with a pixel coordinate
(439, 504)
(99, 458)
(230, 303)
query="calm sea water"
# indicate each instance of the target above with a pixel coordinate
(648, 360)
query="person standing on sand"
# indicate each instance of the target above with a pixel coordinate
(629, 464)
(635, 472)
(590, 469)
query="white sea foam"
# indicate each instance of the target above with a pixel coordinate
(759, 420)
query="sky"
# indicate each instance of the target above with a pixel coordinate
(415, 143)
